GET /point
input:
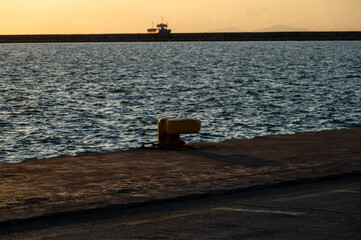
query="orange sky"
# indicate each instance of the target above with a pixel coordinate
(133, 16)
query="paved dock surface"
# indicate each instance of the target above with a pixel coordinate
(319, 210)
(119, 180)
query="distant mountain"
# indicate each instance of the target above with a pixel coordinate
(282, 28)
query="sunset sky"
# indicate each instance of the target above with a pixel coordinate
(135, 16)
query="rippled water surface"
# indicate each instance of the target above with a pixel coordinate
(66, 99)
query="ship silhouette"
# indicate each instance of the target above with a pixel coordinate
(162, 28)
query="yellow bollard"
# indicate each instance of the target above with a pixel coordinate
(169, 130)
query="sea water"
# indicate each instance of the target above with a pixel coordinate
(72, 98)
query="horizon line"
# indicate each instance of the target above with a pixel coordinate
(113, 33)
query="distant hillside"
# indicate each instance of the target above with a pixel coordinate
(282, 28)
(274, 28)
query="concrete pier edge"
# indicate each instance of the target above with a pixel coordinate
(69, 214)
(176, 37)
(217, 169)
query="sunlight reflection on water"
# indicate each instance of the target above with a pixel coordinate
(66, 99)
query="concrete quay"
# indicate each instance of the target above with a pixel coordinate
(186, 37)
(117, 180)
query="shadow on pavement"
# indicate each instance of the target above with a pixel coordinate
(239, 159)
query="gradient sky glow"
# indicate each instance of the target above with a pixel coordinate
(135, 16)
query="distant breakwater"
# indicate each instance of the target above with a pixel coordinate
(146, 37)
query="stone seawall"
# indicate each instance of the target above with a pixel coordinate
(144, 37)
(117, 180)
